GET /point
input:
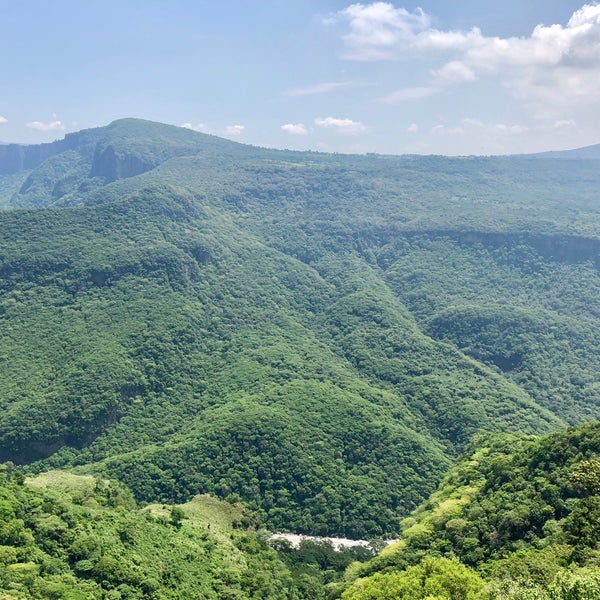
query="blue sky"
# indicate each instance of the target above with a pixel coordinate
(460, 77)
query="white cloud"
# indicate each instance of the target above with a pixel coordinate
(469, 126)
(51, 126)
(321, 88)
(471, 136)
(433, 39)
(377, 29)
(474, 123)
(413, 128)
(576, 45)
(3, 120)
(295, 128)
(235, 129)
(408, 94)
(200, 127)
(343, 125)
(509, 129)
(454, 72)
(381, 31)
(564, 123)
(555, 67)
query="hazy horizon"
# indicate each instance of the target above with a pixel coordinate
(385, 77)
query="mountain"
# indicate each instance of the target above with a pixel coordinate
(91, 158)
(318, 335)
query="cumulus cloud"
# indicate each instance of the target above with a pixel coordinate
(235, 129)
(51, 126)
(3, 119)
(555, 66)
(413, 128)
(342, 125)
(433, 39)
(200, 127)
(321, 88)
(376, 30)
(576, 45)
(381, 31)
(295, 128)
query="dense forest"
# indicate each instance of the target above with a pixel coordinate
(517, 517)
(84, 538)
(318, 336)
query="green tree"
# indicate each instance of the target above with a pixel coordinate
(433, 578)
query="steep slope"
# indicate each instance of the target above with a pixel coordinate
(316, 334)
(518, 509)
(15, 158)
(130, 147)
(529, 315)
(39, 175)
(57, 174)
(499, 231)
(189, 357)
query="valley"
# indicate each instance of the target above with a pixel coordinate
(317, 340)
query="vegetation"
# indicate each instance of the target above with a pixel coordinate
(319, 336)
(80, 537)
(316, 567)
(516, 517)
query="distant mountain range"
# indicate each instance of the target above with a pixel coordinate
(588, 152)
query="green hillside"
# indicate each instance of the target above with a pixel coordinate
(192, 346)
(60, 173)
(319, 335)
(518, 517)
(83, 538)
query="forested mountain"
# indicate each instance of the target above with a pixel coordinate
(517, 518)
(319, 335)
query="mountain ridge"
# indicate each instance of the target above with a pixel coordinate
(585, 152)
(589, 151)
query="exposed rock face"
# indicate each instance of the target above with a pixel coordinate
(15, 158)
(18, 157)
(112, 165)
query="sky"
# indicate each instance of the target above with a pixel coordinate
(456, 77)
